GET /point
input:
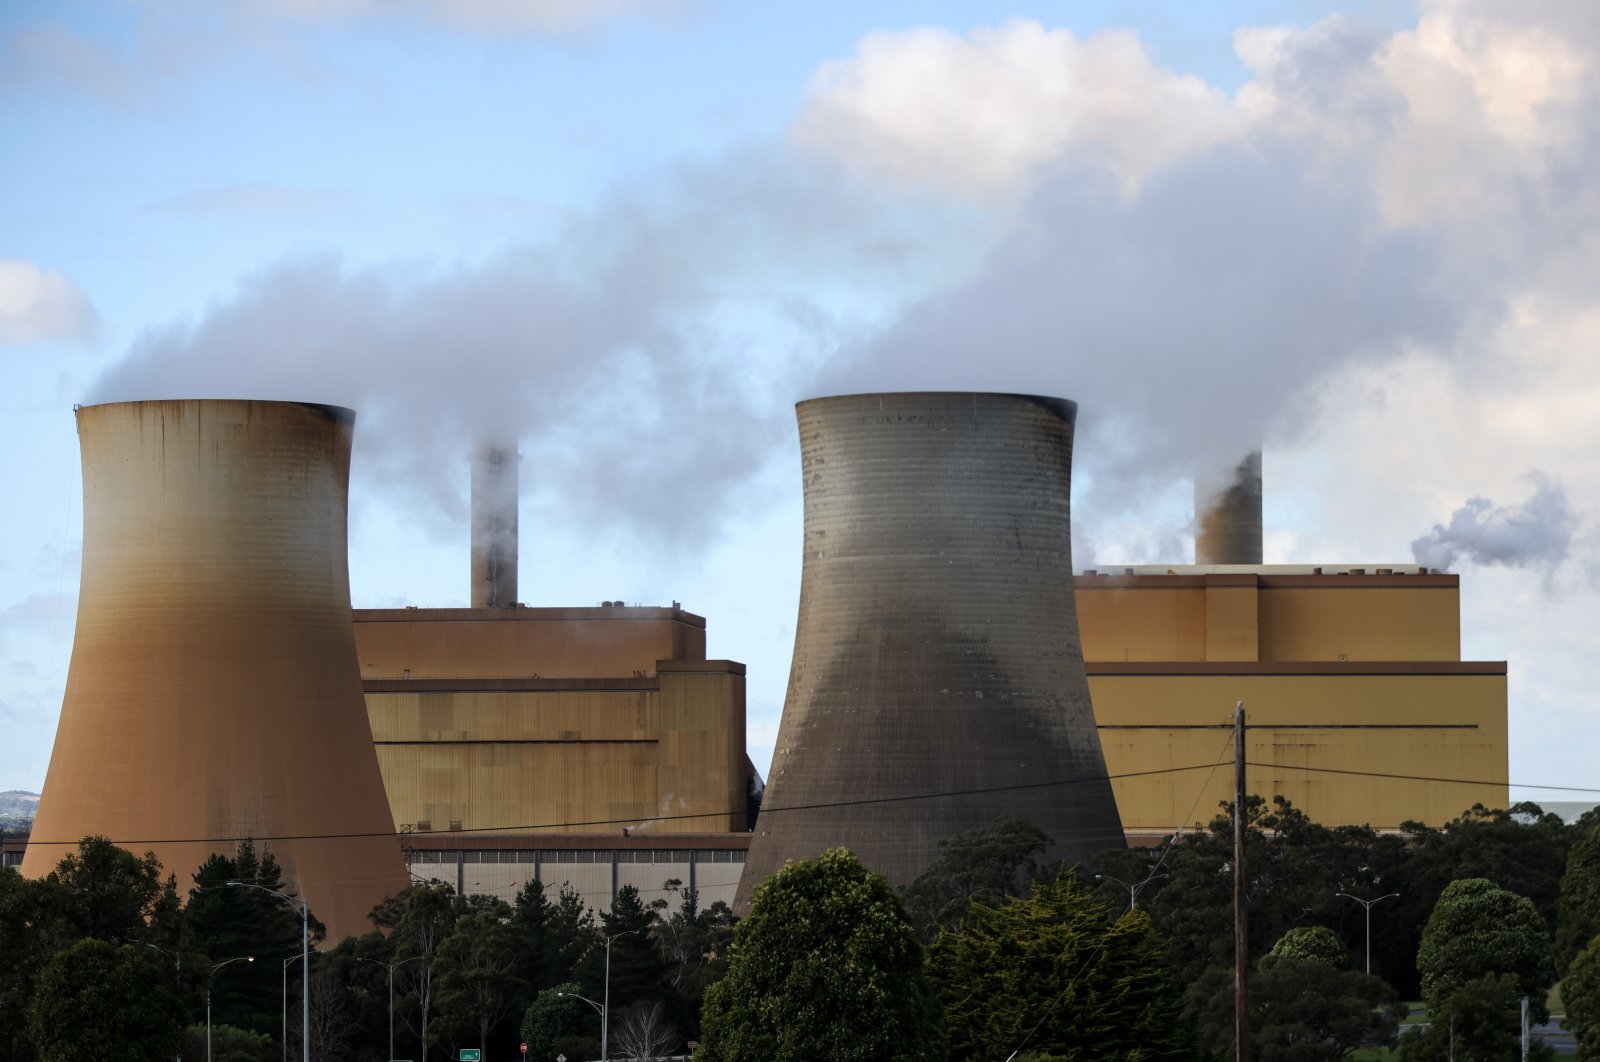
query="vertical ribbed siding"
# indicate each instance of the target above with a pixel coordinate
(938, 679)
(214, 691)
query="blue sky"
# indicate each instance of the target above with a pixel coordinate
(634, 233)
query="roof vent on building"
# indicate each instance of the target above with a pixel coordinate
(424, 825)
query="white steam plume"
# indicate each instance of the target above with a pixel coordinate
(607, 351)
(1537, 533)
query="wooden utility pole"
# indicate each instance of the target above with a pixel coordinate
(1241, 947)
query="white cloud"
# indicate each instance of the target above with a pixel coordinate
(1463, 112)
(36, 304)
(984, 114)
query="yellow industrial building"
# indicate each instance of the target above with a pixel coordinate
(601, 739)
(593, 747)
(598, 747)
(1340, 669)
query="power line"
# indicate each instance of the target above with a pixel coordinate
(635, 820)
(1421, 777)
(822, 805)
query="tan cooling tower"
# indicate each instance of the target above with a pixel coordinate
(938, 679)
(1228, 516)
(214, 692)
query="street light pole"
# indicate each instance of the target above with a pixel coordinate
(1368, 905)
(305, 960)
(605, 1011)
(390, 966)
(209, 976)
(1133, 888)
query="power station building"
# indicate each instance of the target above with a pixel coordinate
(591, 747)
(944, 668)
(1360, 708)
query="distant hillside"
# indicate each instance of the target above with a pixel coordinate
(17, 807)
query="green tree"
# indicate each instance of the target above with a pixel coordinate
(1313, 942)
(1478, 1020)
(1477, 929)
(533, 916)
(229, 1044)
(222, 923)
(1520, 849)
(694, 942)
(556, 936)
(357, 964)
(978, 866)
(420, 919)
(1578, 909)
(1580, 991)
(826, 966)
(638, 970)
(556, 1022)
(95, 997)
(1301, 1010)
(478, 970)
(1295, 868)
(112, 894)
(1057, 973)
(32, 929)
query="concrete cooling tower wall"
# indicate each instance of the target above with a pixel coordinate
(214, 692)
(938, 678)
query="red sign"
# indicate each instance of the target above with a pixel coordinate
(524, 1048)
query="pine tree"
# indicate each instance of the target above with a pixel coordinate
(1058, 974)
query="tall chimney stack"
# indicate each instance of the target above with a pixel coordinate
(1228, 516)
(494, 525)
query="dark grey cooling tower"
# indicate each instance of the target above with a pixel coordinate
(938, 678)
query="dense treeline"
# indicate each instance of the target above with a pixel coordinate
(990, 951)
(466, 970)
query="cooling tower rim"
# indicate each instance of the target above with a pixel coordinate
(1065, 408)
(337, 414)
